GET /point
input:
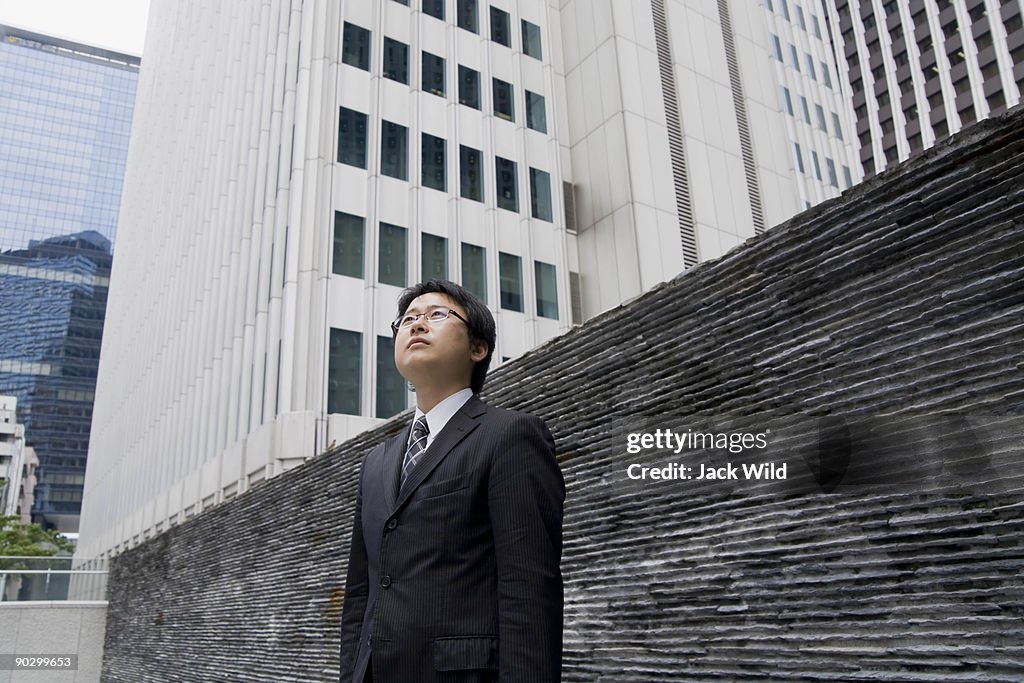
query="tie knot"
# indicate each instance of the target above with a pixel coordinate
(420, 428)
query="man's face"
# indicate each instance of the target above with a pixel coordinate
(438, 353)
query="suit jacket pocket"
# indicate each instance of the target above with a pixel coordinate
(458, 653)
(443, 488)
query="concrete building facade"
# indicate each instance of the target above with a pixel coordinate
(916, 72)
(302, 162)
(692, 126)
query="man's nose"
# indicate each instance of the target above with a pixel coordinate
(419, 324)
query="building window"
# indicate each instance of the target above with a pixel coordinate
(776, 47)
(467, 15)
(785, 9)
(471, 173)
(536, 115)
(355, 46)
(800, 17)
(434, 172)
(822, 124)
(394, 142)
(404, 2)
(799, 157)
(996, 101)
(1013, 23)
(547, 290)
(795, 56)
(474, 270)
(434, 8)
(806, 110)
(391, 386)
(816, 26)
(809, 61)
(540, 194)
(787, 101)
(391, 261)
(826, 76)
(831, 165)
(396, 61)
(846, 175)
(469, 87)
(504, 107)
(531, 40)
(352, 138)
(837, 126)
(348, 245)
(510, 273)
(501, 27)
(816, 164)
(434, 258)
(984, 41)
(344, 368)
(433, 74)
(505, 175)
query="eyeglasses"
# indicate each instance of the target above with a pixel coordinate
(434, 315)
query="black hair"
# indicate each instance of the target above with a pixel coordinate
(481, 322)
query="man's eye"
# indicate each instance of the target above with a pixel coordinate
(437, 314)
(408, 320)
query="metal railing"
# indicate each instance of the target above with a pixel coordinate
(33, 578)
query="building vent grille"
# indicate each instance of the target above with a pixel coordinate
(742, 124)
(684, 206)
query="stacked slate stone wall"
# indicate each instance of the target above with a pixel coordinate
(904, 297)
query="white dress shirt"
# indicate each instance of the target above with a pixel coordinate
(439, 415)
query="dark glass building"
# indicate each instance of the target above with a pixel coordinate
(65, 116)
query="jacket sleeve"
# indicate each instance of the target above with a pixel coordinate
(526, 493)
(356, 592)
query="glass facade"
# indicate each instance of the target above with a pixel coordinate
(65, 116)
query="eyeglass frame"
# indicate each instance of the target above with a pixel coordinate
(396, 323)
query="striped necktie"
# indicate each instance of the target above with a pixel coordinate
(417, 445)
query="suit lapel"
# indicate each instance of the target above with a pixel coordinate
(391, 467)
(464, 421)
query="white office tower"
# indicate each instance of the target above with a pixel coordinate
(917, 71)
(293, 166)
(693, 124)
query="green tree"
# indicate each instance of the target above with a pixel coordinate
(19, 539)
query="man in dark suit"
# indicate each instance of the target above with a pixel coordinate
(454, 569)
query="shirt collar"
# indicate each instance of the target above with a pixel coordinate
(439, 415)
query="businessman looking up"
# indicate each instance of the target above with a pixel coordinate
(453, 572)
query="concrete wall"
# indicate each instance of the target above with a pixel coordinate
(901, 298)
(53, 628)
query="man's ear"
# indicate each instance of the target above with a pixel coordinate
(478, 350)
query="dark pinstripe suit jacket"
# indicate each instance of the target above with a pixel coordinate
(457, 577)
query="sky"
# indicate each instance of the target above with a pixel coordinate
(116, 24)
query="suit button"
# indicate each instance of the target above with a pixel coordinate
(392, 523)
(385, 581)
